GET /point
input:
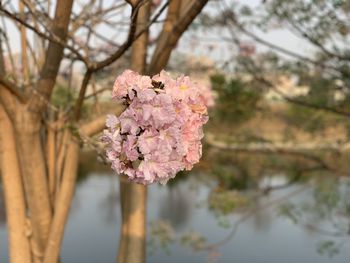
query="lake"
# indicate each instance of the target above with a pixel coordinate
(197, 219)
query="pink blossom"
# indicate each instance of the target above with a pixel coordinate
(128, 122)
(160, 131)
(194, 153)
(163, 110)
(145, 95)
(148, 141)
(123, 83)
(112, 121)
(129, 148)
(207, 96)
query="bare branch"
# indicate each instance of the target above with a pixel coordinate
(54, 52)
(300, 102)
(8, 46)
(278, 48)
(97, 66)
(52, 38)
(127, 43)
(82, 92)
(96, 93)
(172, 17)
(159, 60)
(314, 41)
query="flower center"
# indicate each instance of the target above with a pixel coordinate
(183, 87)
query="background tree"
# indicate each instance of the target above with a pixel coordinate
(322, 25)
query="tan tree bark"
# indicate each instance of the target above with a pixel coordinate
(33, 167)
(53, 56)
(67, 185)
(13, 193)
(63, 202)
(29, 129)
(124, 205)
(132, 244)
(173, 30)
(172, 17)
(133, 233)
(51, 161)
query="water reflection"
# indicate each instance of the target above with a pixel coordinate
(108, 207)
(2, 208)
(177, 206)
(207, 216)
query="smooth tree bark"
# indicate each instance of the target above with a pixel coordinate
(34, 176)
(67, 186)
(176, 24)
(63, 201)
(18, 235)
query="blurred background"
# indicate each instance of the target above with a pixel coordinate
(273, 184)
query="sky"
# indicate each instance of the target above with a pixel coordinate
(199, 44)
(281, 37)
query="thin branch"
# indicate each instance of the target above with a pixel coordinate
(314, 41)
(96, 93)
(300, 102)
(82, 92)
(105, 63)
(131, 37)
(98, 66)
(249, 213)
(51, 37)
(278, 48)
(8, 46)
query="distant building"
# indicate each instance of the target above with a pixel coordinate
(286, 86)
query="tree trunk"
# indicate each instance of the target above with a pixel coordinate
(132, 247)
(14, 194)
(33, 168)
(124, 205)
(65, 192)
(63, 202)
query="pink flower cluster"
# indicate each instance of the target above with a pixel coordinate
(160, 131)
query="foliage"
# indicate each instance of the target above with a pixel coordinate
(323, 94)
(162, 235)
(328, 247)
(63, 97)
(325, 212)
(225, 202)
(306, 118)
(193, 240)
(237, 100)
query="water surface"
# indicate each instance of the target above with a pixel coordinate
(184, 227)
